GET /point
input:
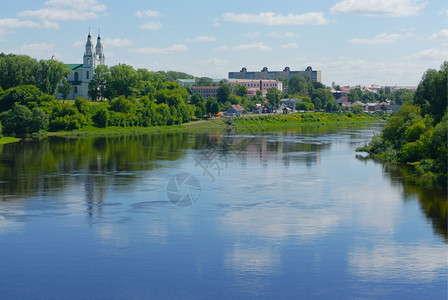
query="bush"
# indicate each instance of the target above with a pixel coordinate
(16, 120)
(101, 118)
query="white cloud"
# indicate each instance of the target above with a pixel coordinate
(36, 49)
(65, 10)
(203, 38)
(151, 26)
(15, 23)
(56, 14)
(252, 47)
(253, 34)
(167, 50)
(379, 8)
(117, 42)
(272, 19)
(382, 38)
(221, 48)
(278, 34)
(147, 14)
(290, 46)
(212, 62)
(433, 53)
(441, 35)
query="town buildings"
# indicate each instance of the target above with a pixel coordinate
(286, 74)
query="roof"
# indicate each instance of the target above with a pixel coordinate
(205, 87)
(74, 66)
(237, 107)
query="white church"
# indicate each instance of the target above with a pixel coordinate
(81, 74)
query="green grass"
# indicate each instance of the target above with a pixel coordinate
(266, 122)
(8, 139)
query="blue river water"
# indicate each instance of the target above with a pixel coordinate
(275, 215)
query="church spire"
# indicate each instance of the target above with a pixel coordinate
(99, 50)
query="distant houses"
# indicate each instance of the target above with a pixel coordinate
(234, 110)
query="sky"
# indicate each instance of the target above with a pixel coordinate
(352, 42)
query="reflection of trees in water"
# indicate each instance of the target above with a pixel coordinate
(433, 199)
(48, 166)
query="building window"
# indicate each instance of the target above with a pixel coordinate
(87, 75)
(76, 88)
(76, 76)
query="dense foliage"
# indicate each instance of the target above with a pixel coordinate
(418, 133)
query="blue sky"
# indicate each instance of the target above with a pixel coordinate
(351, 41)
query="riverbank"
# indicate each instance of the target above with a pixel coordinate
(265, 122)
(8, 140)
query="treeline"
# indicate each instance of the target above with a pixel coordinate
(417, 134)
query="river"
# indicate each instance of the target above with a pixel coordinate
(273, 215)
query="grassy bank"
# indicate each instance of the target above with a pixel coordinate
(265, 122)
(8, 139)
(302, 119)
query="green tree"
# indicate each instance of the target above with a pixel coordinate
(82, 104)
(39, 120)
(98, 84)
(298, 84)
(50, 74)
(204, 81)
(196, 98)
(28, 95)
(65, 88)
(101, 118)
(223, 93)
(16, 120)
(354, 95)
(17, 70)
(432, 94)
(241, 90)
(212, 106)
(122, 80)
(273, 96)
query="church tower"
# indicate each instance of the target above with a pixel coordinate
(88, 61)
(99, 54)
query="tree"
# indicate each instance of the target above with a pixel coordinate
(122, 80)
(432, 94)
(16, 120)
(39, 120)
(204, 81)
(196, 98)
(212, 106)
(241, 90)
(101, 118)
(98, 83)
(17, 70)
(65, 88)
(50, 74)
(354, 95)
(28, 95)
(273, 97)
(298, 84)
(223, 93)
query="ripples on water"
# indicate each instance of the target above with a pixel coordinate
(279, 215)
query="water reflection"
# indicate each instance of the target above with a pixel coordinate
(433, 199)
(292, 214)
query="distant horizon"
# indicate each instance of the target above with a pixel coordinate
(351, 42)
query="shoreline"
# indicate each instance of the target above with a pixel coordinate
(264, 122)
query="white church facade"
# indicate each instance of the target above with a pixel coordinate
(81, 74)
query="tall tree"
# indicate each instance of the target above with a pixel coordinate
(17, 70)
(97, 85)
(65, 88)
(223, 93)
(273, 97)
(50, 74)
(432, 94)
